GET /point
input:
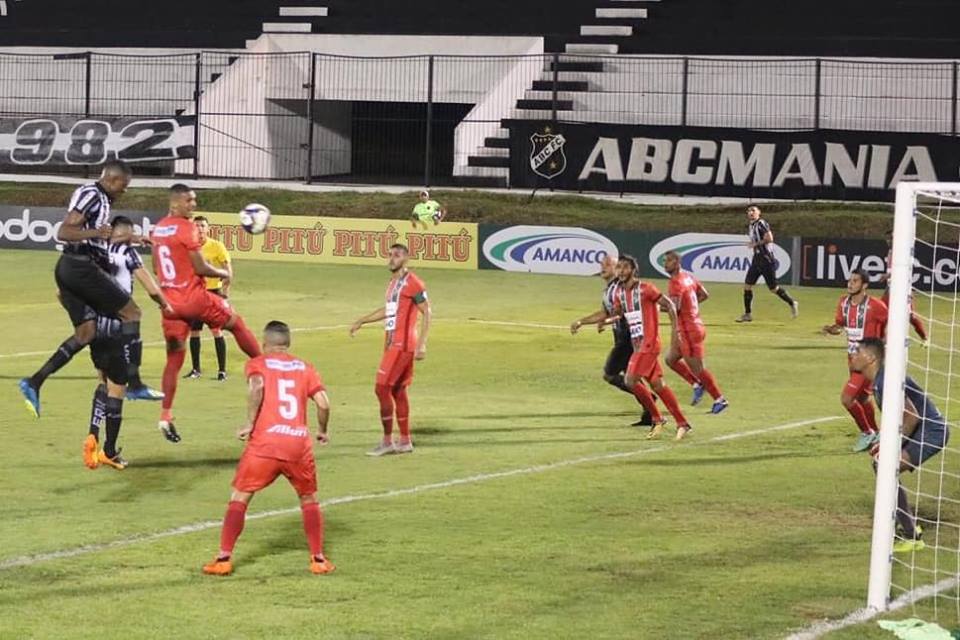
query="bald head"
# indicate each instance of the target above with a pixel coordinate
(608, 267)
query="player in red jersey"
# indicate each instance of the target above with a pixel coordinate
(915, 320)
(181, 269)
(860, 316)
(406, 298)
(639, 304)
(687, 352)
(278, 443)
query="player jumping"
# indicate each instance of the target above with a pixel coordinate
(764, 264)
(278, 443)
(106, 351)
(616, 365)
(181, 269)
(216, 254)
(638, 303)
(687, 352)
(406, 297)
(924, 434)
(861, 316)
(85, 287)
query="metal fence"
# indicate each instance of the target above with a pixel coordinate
(315, 117)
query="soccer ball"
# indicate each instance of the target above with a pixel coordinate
(255, 218)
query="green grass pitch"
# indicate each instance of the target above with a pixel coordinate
(747, 537)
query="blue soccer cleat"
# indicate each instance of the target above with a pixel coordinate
(31, 397)
(697, 394)
(719, 406)
(143, 393)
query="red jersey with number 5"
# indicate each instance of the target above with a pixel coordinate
(173, 239)
(404, 292)
(289, 383)
(639, 307)
(684, 289)
(865, 320)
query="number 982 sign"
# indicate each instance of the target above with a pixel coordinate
(43, 141)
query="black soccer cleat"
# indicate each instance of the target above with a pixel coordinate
(193, 375)
(221, 376)
(169, 431)
(645, 420)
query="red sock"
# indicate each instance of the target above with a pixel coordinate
(232, 527)
(859, 416)
(245, 338)
(386, 410)
(643, 395)
(869, 413)
(670, 401)
(313, 527)
(917, 324)
(403, 412)
(684, 371)
(171, 372)
(710, 384)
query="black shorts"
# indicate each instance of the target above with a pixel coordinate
(107, 356)
(618, 358)
(86, 290)
(765, 268)
(197, 325)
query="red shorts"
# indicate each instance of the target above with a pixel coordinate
(200, 306)
(645, 365)
(396, 368)
(692, 343)
(256, 472)
(857, 386)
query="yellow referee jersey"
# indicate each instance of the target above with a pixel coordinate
(215, 253)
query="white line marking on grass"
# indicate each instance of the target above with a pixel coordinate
(823, 627)
(530, 325)
(25, 561)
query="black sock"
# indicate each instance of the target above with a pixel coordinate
(748, 301)
(195, 352)
(133, 370)
(132, 346)
(783, 295)
(905, 515)
(221, 344)
(114, 416)
(98, 410)
(60, 357)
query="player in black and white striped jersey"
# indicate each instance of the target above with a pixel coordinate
(764, 264)
(107, 350)
(85, 287)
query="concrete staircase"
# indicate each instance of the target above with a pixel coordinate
(583, 66)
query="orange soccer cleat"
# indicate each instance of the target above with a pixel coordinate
(219, 567)
(321, 566)
(90, 458)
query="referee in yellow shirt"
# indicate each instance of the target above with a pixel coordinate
(215, 253)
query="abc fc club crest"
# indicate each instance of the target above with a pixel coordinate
(546, 154)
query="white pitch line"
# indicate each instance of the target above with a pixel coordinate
(30, 560)
(823, 627)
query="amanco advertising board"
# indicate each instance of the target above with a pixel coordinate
(449, 245)
(714, 257)
(536, 249)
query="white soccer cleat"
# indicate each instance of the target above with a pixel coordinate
(383, 449)
(403, 447)
(795, 309)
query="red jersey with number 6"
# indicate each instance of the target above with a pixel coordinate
(404, 292)
(639, 307)
(289, 383)
(684, 289)
(173, 239)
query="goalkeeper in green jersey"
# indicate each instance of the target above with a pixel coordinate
(427, 211)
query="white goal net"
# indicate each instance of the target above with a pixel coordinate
(915, 557)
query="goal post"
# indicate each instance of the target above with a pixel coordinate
(922, 262)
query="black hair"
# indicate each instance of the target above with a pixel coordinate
(863, 275)
(400, 246)
(281, 329)
(119, 167)
(200, 219)
(180, 188)
(626, 257)
(875, 345)
(121, 221)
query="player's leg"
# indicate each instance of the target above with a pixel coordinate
(220, 346)
(219, 314)
(175, 333)
(634, 380)
(91, 444)
(302, 475)
(669, 400)
(694, 351)
(614, 370)
(850, 398)
(384, 392)
(113, 418)
(195, 327)
(400, 380)
(770, 278)
(233, 522)
(676, 361)
(753, 275)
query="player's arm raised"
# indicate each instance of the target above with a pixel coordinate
(426, 315)
(203, 268)
(71, 230)
(373, 316)
(150, 286)
(323, 415)
(254, 400)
